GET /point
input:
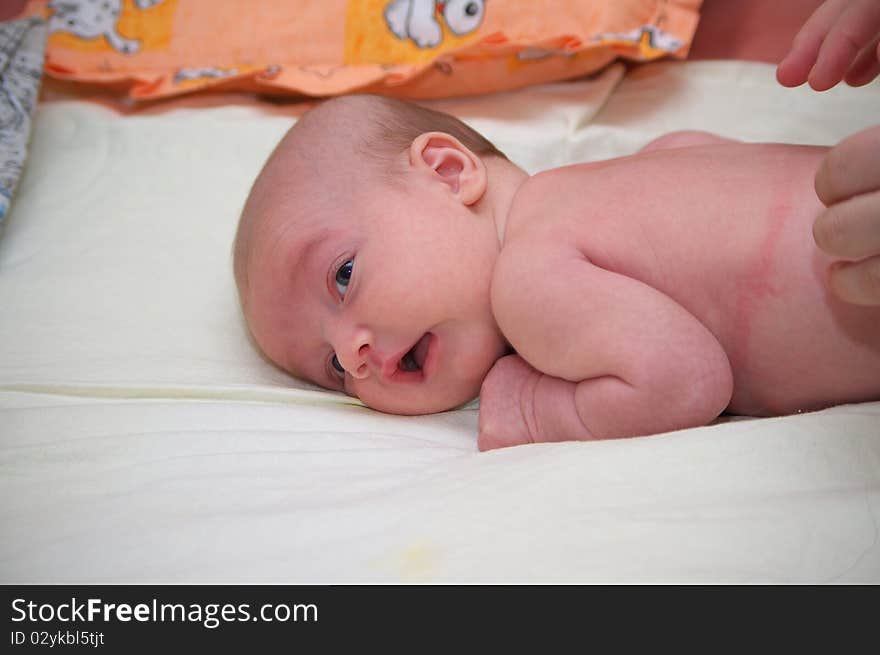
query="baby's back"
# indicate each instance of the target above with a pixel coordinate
(726, 231)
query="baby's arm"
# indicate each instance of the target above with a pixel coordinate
(685, 139)
(607, 355)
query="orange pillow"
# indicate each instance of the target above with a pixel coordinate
(412, 48)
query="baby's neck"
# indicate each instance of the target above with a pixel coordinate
(505, 179)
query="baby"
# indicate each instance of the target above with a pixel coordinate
(391, 252)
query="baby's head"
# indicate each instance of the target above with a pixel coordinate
(365, 252)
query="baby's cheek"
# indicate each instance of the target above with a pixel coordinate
(349, 388)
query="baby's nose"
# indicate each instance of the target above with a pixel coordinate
(356, 353)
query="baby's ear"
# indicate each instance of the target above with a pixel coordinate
(452, 163)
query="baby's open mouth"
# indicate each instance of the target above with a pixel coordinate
(414, 358)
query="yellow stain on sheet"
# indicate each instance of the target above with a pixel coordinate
(152, 27)
(418, 562)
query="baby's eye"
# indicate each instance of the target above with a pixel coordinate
(343, 277)
(336, 365)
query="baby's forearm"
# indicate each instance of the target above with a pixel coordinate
(551, 411)
(521, 405)
(604, 408)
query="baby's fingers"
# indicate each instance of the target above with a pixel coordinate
(850, 168)
(797, 64)
(856, 282)
(855, 30)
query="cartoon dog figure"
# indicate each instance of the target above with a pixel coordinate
(89, 19)
(414, 19)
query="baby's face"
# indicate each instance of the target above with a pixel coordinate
(387, 301)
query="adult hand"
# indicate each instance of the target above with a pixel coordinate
(848, 183)
(840, 41)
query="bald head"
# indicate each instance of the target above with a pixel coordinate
(332, 151)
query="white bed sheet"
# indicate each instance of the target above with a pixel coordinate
(143, 439)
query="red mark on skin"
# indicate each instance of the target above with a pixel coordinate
(758, 284)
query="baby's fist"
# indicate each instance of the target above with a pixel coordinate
(507, 404)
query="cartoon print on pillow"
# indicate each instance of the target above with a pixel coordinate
(651, 40)
(202, 73)
(90, 19)
(416, 20)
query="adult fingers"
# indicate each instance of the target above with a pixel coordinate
(794, 69)
(866, 66)
(856, 282)
(850, 168)
(850, 229)
(854, 30)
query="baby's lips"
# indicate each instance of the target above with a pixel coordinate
(391, 369)
(422, 348)
(421, 352)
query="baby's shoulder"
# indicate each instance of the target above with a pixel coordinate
(544, 202)
(539, 229)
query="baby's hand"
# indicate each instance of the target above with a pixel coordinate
(838, 42)
(848, 183)
(505, 401)
(520, 405)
